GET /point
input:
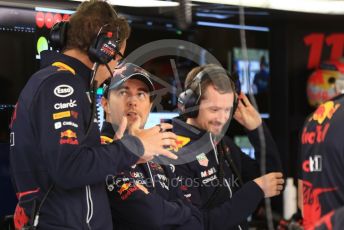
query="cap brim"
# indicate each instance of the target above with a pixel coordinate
(117, 82)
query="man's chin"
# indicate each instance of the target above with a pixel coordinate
(131, 121)
(215, 132)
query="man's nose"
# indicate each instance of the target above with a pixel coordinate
(132, 100)
(223, 117)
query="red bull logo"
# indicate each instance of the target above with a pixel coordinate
(180, 142)
(325, 220)
(68, 137)
(130, 191)
(20, 218)
(311, 203)
(68, 134)
(105, 140)
(123, 188)
(324, 111)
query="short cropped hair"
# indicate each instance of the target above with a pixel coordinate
(213, 76)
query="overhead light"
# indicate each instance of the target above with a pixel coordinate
(232, 26)
(212, 15)
(52, 10)
(307, 6)
(141, 3)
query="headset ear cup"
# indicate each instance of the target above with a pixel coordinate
(58, 35)
(94, 51)
(92, 54)
(187, 104)
(103, 49)
(190, 99)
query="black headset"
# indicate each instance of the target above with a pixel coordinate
(102, 50)
(189, 99)
(58, 35)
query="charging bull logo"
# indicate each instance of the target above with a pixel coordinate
(68, 133)
(105, 140)
(324, 111)
(68, 137)
(325, 220)
(127, 189)
(311, 203)
(123, 188)
(20, 218)
(180, 142)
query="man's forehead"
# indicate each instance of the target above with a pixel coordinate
(212, 97)
(210, 92)
(223, 104)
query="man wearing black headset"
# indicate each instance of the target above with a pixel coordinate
(146, 196)
(58, 164)
(221, 180)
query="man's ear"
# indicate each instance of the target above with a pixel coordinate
(105, 105)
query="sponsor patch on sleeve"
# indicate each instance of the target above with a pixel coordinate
(127, 189)
(68, 137)
(126, 186)
(202, 159)
(60, 124)
(65, 105)
(61, 115)
(63, 91)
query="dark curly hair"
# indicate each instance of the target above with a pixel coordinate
(86, 22)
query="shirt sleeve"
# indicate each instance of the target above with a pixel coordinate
(237, 209)
(129, 198)
(62, 113)
(249, 167)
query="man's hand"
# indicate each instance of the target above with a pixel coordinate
(154, 140)
(246, 114)
(121, 128)
(271, 184)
